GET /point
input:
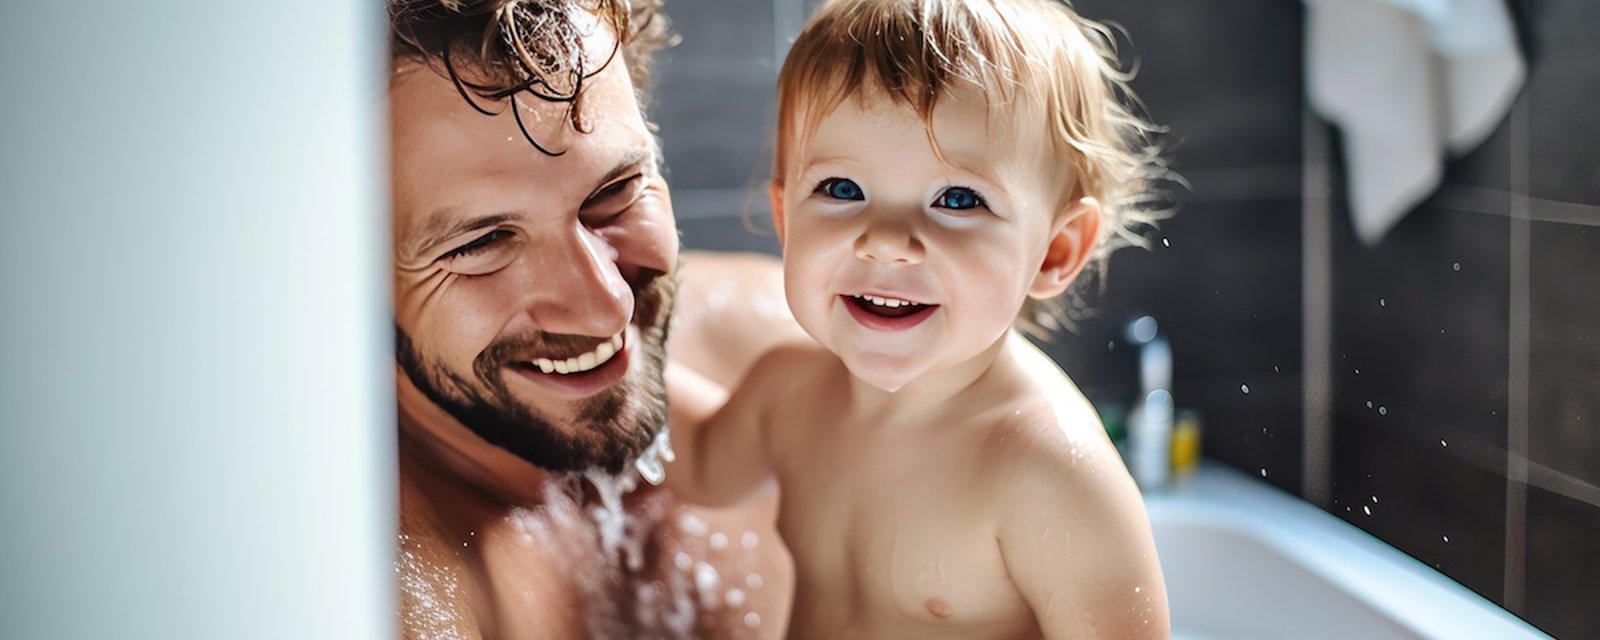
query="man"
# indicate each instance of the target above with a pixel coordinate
(535, 251)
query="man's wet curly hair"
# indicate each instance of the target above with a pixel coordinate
(494, 50)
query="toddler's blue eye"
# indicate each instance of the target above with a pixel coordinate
(840, 189)
(959, 198)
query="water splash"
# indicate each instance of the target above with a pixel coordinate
(613, 523)
(650, 461)
(427, 590)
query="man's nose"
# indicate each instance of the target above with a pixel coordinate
(889, 238)
(582, 290)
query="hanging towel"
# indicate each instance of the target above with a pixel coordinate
(1408, 81)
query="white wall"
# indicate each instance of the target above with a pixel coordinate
(196, 431)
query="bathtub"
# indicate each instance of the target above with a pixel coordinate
(1245, 560)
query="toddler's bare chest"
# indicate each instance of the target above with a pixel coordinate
(891, 536)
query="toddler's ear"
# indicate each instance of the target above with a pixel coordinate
(1072, 238)
(775, 195)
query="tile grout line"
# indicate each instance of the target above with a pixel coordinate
(1316, 284)
(1519, 352)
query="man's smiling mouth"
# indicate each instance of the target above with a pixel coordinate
(582, 362)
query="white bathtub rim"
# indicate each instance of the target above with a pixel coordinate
(1410, 593)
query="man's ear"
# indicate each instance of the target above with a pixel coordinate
(775, 196)
(1072, 239)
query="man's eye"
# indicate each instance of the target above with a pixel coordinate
(477, 246)
(959, 198)
(610, 202)
(617, 188)
(840, 189)
(486, 254)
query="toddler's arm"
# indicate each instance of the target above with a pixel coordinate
(721, 456)
(1077, 544)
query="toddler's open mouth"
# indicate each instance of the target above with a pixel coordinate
(886, 307)
(882, 313)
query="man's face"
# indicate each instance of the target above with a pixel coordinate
(532, 291)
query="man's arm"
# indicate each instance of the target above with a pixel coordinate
(1077, 543)
(730, 310)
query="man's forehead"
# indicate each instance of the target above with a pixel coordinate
(448, 156)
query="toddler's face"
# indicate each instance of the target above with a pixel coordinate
(902, 264)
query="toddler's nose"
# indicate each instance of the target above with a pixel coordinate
(890, 242)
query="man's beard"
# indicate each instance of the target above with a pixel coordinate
(610, 429)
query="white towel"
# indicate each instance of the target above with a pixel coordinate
(1407, 81)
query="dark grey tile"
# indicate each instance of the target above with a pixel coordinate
(1420, 376)
(725, 234)
(1224, 287)
(1564, 363)
(1562, 562)
(714, 93)
(1439, 508)
(1225, 75)
(1488, 166)
(1563, 87)
(1421, 327)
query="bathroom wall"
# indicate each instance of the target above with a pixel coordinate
(1473, 328)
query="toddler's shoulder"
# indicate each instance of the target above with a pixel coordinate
(792, 364)
(1051, 445)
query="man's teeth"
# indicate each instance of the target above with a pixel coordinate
(584, 362)
(891, 303)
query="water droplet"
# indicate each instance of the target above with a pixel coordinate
(1136, 589)
(1442, 443)
(1441, 331)
(692, 525)
(1374, 499)
(752, 620)
(1369, 404)
(719, 540)
(1166, 242)
(734, 597)
(1245, 388)
(1358, 372)
(1382, 302)
(1275, 369)
(1263, 472)
(1456, 266)
(1111, 345)
(1446, 538)
(682, 561)
(749, 540)
(1366, 509)
(753, 581)
(1263, 431)
(705, 577)
(1383, 411)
